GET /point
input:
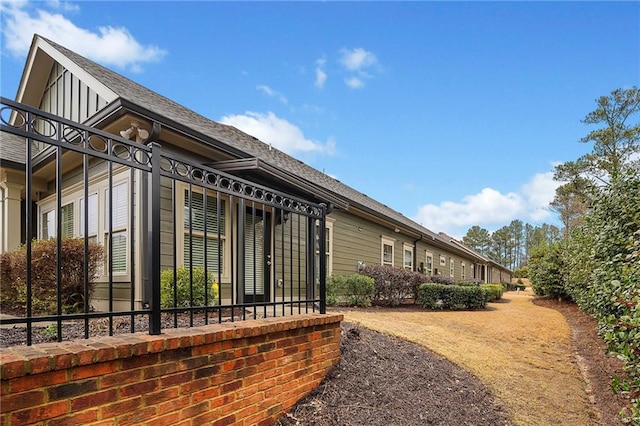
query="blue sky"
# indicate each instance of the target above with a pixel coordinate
(452, 113)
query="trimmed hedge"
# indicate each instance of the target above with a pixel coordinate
(453, 297)
(494, 291)
(350, 290)
(13, 276)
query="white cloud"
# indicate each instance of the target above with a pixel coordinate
(354, 82)
(109, 45)
(490, 208)
(357, 59)
(273, 93)
(321, 75)
(358, 62)
(278, 132)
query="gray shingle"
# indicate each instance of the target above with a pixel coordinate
(231, 136)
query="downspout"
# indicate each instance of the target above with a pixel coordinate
(415, 252)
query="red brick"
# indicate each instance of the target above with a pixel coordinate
(139, 388)
(94, 370)
(205, 394)
(12, 366)
(194, 410)
(41, 380)
(81, 418)
(121, 407)
(169, 419)
(19, 401)
(138, 361)
(95, 399)
(174, 405)
(137, 416)
(229, 420)
(230, 387)
(176, 379)
(104, 351)
(222, 378)
(205, 419)
(161, 396)
(71, 389)
(38, 414)
(120, 378)
(194, 385)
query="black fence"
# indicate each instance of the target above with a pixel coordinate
(178, 243)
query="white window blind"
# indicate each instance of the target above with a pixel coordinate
(194, 211)
(92, 220)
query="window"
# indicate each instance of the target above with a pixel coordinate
(428, 264)
(407, 260)
(48, 222)
(92, 221)
(101, 228)
(118, 226)
(463, 271)
(387, 251)
(204, 223)
(328, 246)
(452, 268)
(443, 260)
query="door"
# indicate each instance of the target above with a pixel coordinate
(257, 255)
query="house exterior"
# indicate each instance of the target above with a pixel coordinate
(260, 246)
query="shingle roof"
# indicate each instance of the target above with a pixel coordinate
(139, 95)
(231, 136)
(12, 148)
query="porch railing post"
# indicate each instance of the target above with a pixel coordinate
(154, 240)
(323, 258)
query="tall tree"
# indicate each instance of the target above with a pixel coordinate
(570, 202)
(478, 239)
(500, 246)
(615, 144)
(516, 229)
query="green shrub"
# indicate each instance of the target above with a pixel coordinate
(493, 291)
(350, 290)
(394, 285)
(188, 281)
(546, 271)
(13, 276)
(442, 296)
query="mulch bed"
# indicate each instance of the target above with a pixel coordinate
(382, 380)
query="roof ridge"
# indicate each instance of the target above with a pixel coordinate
(144, 97)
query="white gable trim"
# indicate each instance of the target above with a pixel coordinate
(36, 60)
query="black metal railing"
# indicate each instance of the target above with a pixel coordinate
(183, 243)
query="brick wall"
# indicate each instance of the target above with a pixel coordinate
(242, 373)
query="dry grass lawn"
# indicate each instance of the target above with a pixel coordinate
(520, 350)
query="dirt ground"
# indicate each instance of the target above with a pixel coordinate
(524, 363)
